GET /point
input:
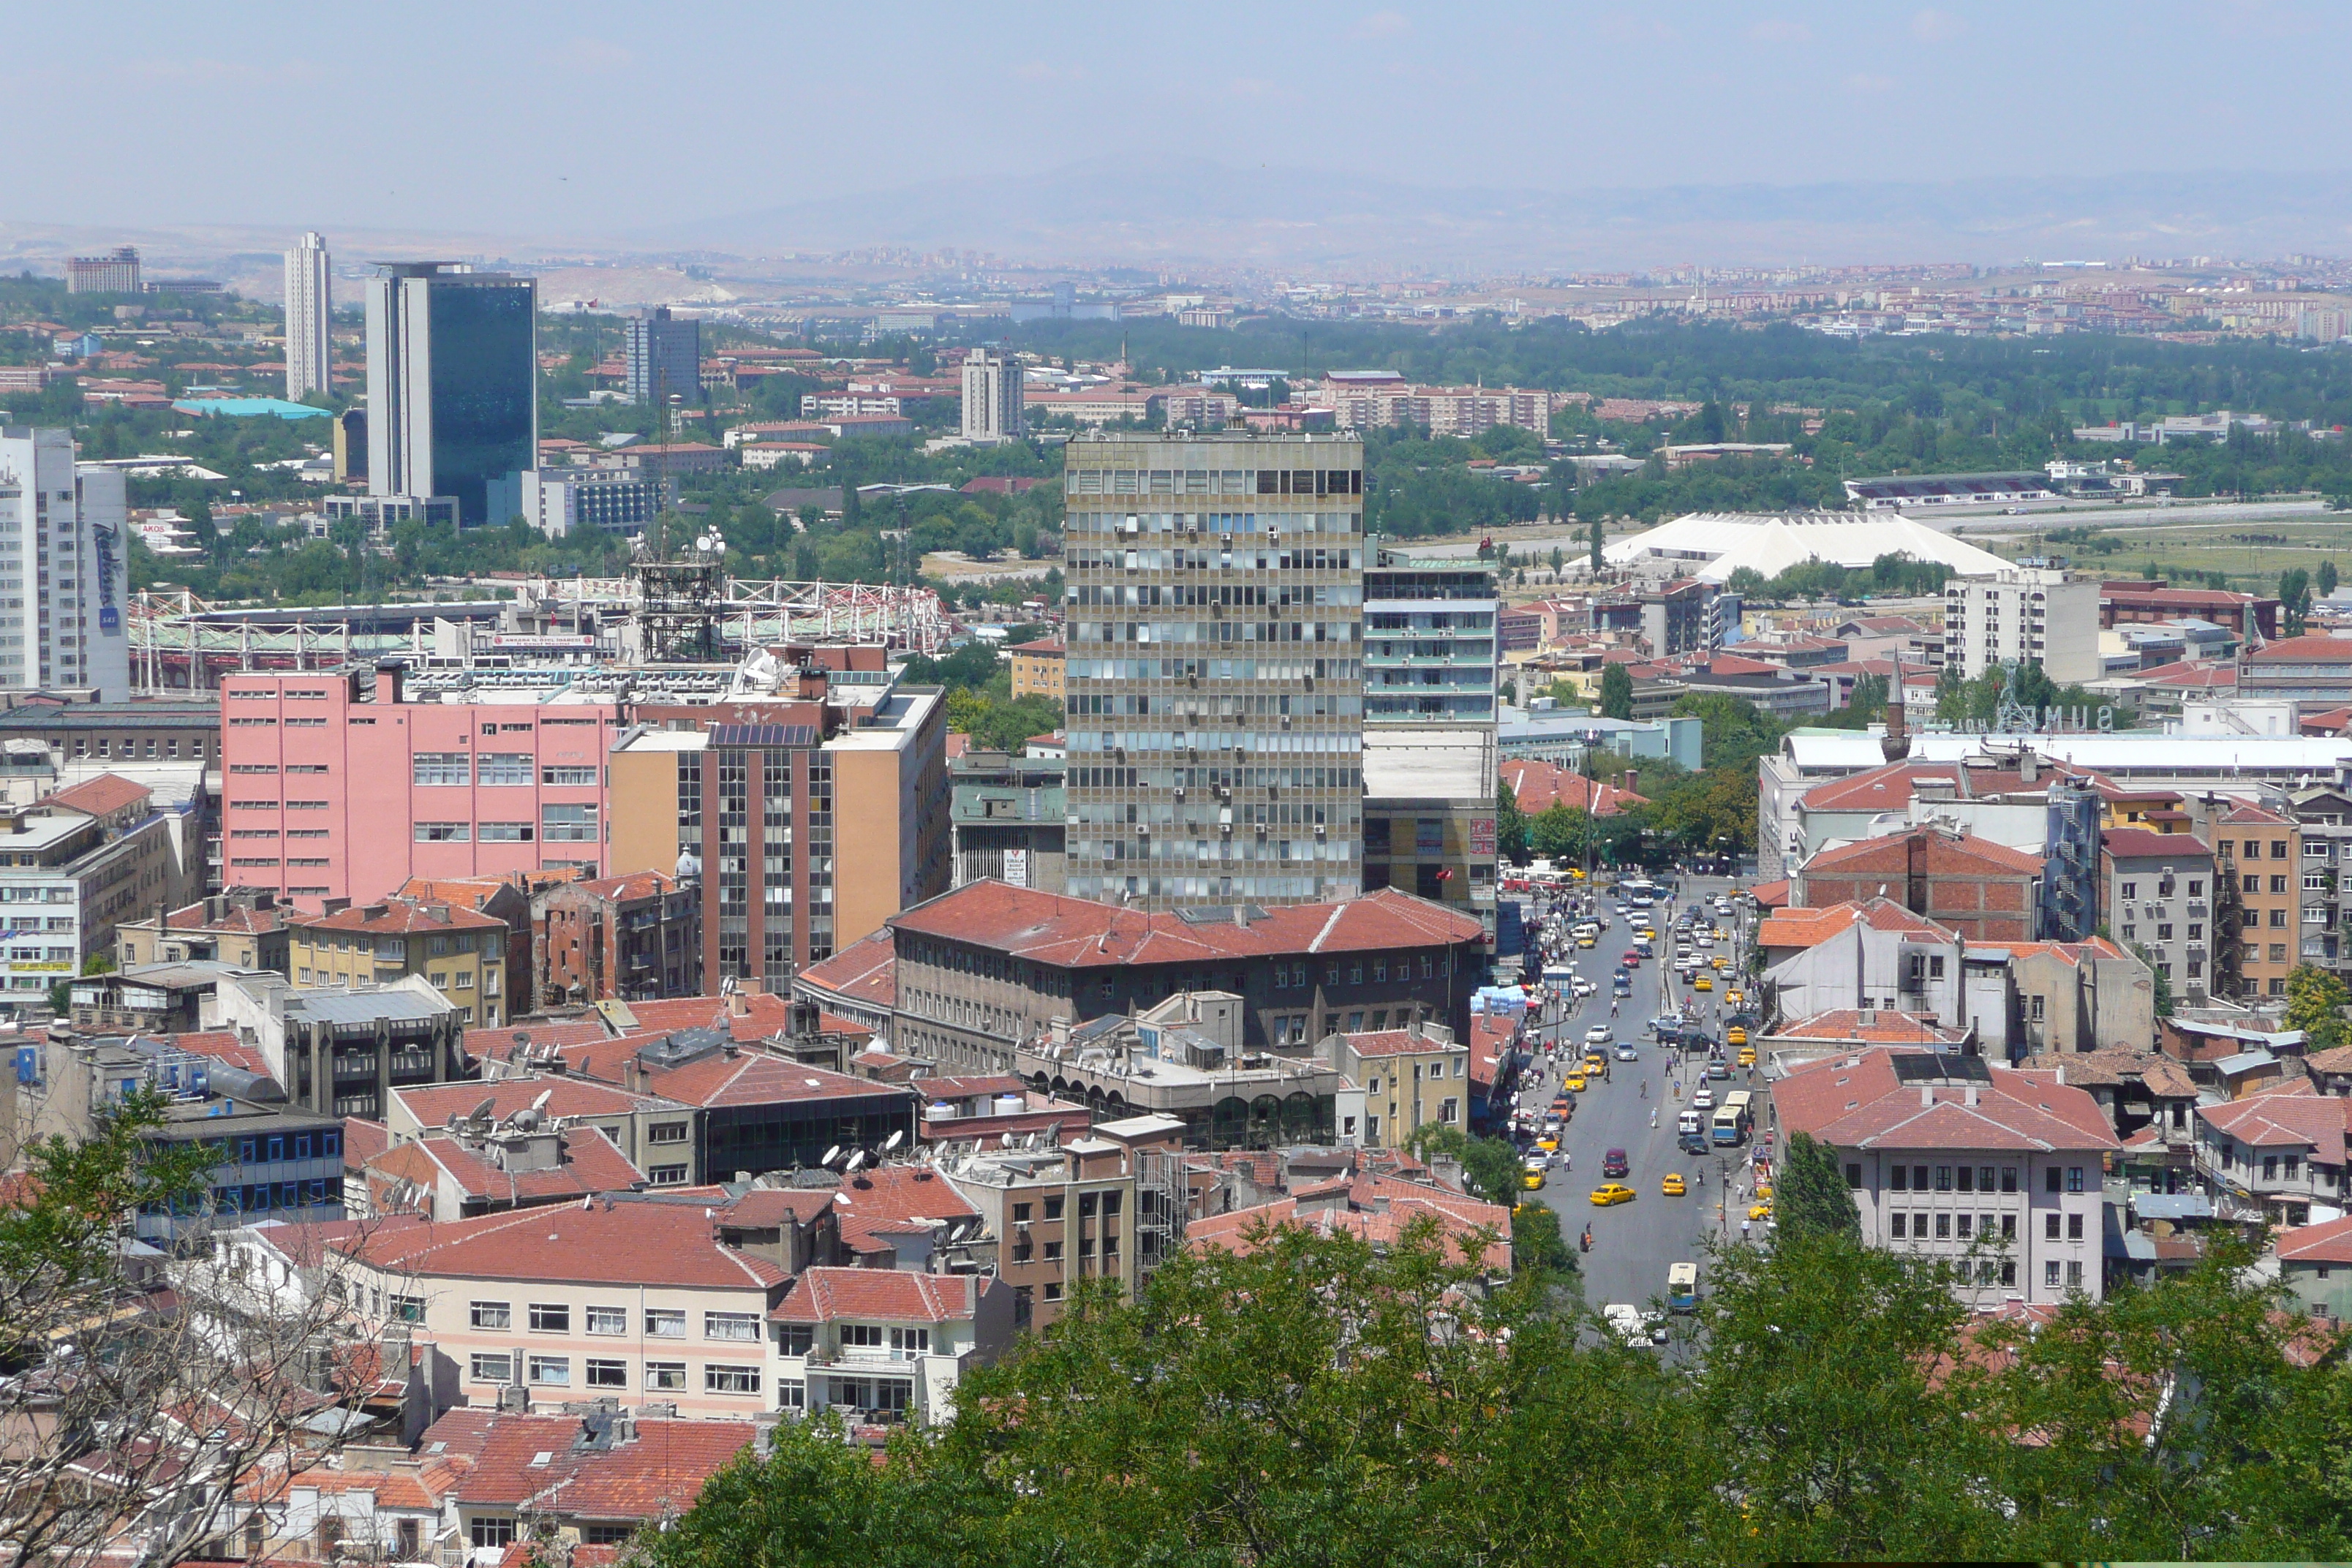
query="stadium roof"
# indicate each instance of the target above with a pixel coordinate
(1712, 545)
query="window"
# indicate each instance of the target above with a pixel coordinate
(1054, 1208)
(504, 768)
(866, 1336)
(442, 768)
(555, 1371)
(1021, 1214)
(717, 1379)
(2074, 1275)
(2073, 1227)
(2073, 1178)
(664, 1377)
(731, 1325)
(487, 1368)
(444, 831)
(491, 1531)
(1854, 1175)
(1899, 1179)
(492, 1315)
(551, 1318)
(568, 775)
(1943, 1178)
(607, 1373)
(792, 1395)
(505, 833)
(608, 1320)
(399, 1309)
(2049, 1272)
(666, 1175)
(1896, 1225)
(1943, 1226)
(1968, 1178)
(2051, 1177)
(1962, 1223)
(2009, 1228)
(2049, 1227)
(911, 1342)
(666, 1133)
(568, 823)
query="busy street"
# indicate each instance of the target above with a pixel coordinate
(1650, 1114)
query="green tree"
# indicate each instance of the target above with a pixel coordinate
(1490, 1166)
(1510, 825)
(1810, 1196)
(2316, 1000)
(2294, 600)
(2324, 580)
(1616, 692)
(1597, 539)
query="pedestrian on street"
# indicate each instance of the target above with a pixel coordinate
(1744, 1230)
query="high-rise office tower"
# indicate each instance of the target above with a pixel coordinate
(991, 397)
(116, 272)
(664, 356)
(1214, 668)
(310, 311)
(63, 568)
(453, 382)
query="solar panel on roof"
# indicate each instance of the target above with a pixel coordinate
(764, 734)
(1941, 1067)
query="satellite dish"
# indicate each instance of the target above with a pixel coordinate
(856, 1161)
(1005, 1139)
(482, 1111)
(831, 1155)
(544, 1096)
(892, 1141)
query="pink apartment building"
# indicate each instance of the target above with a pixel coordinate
(345, 785)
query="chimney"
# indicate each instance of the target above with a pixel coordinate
(1896, 743)
(2028, 764)
(738, 1005)
(388, 677)
(1971, 1096)
(1926, 1095)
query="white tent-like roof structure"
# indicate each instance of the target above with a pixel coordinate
(1712, 545)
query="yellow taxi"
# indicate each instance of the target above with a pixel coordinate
(1704, 982)
(1573, 1083)
(1549, 1145)
(1532, 1181)
(1764, 1191)
(1760, 1210)
(1611, 1193)
(1736, 1035)
(1734, 997)
(1721, 934)
(1584, 941)
(1673, 1185)
(1576, 873)
(1721, 963)
(1748, 1056)
(1595, 1063)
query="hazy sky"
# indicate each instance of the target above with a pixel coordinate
(596, 119)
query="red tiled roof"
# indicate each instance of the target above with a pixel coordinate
(2317, 648)
(362, 1140)
(2275, 1120)
(1393, 1042)
(866, 971)
(634, 1243)
(1884, 1027)
(1770, 895)
(2335, 722)
(2139, 844)
(1043, 648)
(765, 1014)
(1858, 1102)
(539, 1460)
(1805, 927)
(499, 1043)
(433, 1104)
(629, 890)
(109, 793)
(240, 918)
(1046, 927)
(893, 1196)
(2247, 814)
(1537, 786)
(2191, 677)
(1946, 852)
(882, 1295)
(398, 917)
(755, 1078)
(1457, 1214)
(2328, 1242)
(226, 1048)
(589, 1162)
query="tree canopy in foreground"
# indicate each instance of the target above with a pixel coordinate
(1316, 1401)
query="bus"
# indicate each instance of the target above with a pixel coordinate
(1639, 892)
(1731, 1118)
(1682, 1288)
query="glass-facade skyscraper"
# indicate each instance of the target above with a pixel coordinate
(1214, 622)
(664, 356)
(453, 382)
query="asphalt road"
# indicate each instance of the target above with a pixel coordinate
(1634, 1243)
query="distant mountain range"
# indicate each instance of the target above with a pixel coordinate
(1182, 215)
(1177, 212)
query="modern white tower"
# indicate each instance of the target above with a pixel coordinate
(991, 397)
(310, 311)
(64, 564)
